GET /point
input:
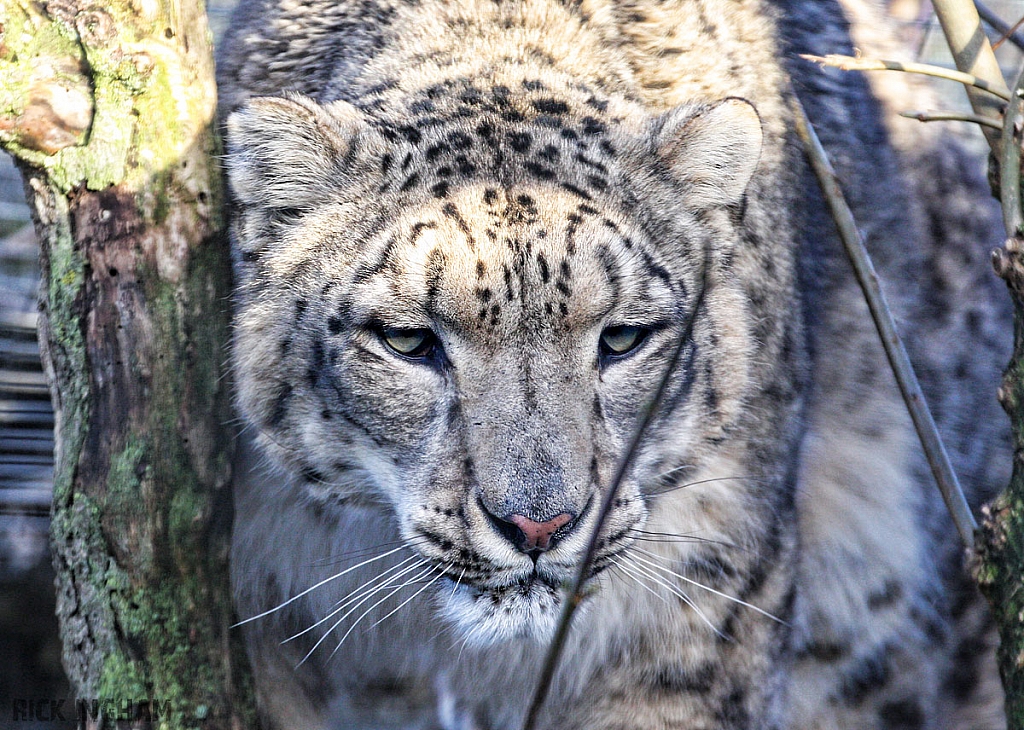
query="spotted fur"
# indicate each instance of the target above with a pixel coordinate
(449, 216)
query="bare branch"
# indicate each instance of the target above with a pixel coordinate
(576, 594)
(952, 117)
(1006, 31)
(850, 63)
(1009, 161)
(973, 55)
(931, 442)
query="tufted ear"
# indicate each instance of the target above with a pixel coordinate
(712, 150)
(281, 150)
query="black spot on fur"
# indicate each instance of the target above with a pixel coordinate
(527, 202)
(520, 141)
(411, 134)
(824, 651)
(435, 150)
(334, 325)
(490, 196)
(733, 712)
(549, 153)
(674, 679)
(890, 592)
(280, 408)
(579, 192)
(409, 183)
(962, 679)
(440, 190)
(592, 126)
(418, 229)
(550, 106)
(544, 173)
(317, 360)
(542, 262)
(901, 715)
(300, 308)
(460, 141)
(868, 675)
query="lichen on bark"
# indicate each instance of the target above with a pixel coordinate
(109, 109)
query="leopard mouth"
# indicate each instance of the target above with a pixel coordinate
(524, 608)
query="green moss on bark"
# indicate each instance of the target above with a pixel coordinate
(135, 331)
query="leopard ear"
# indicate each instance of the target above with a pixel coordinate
(281, 151)
(712, 150)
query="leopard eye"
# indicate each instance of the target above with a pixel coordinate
(621, 339)
(416, 342)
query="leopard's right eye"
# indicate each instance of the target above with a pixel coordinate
(620, 340)
(415, 343)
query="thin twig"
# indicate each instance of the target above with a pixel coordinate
(972, 54)
(850, 63)
(1009, 161)
(576, 594)
(1005, 30)
(952, 117)
(931, 442)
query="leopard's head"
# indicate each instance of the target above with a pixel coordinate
(464, 323)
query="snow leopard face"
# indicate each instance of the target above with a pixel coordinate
(464, 323)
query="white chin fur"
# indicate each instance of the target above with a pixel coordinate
(485, 618)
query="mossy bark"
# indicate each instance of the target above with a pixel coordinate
(999, 556)
(109, 109)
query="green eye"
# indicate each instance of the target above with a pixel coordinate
(621, 339)
(417, 342)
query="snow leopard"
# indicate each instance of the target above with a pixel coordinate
(470, 238)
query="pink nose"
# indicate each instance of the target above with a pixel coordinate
(538, 534)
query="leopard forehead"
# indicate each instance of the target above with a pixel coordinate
(512, 260)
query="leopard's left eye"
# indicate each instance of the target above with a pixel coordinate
(621, 339)
(415, 343)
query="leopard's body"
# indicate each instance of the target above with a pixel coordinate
(468, 236)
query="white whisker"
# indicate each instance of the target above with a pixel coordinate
(364, 599)
(698, 584)
(455, 588)
(362, 590)
(314, 587)
(679, 593)
(665, 489)
(365, 613)
(403, 603)
(635, 577)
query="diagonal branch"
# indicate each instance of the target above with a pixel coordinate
(576, 593)
(931, 442)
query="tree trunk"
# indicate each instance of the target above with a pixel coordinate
(109, 109)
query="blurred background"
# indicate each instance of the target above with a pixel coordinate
(30, 664)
